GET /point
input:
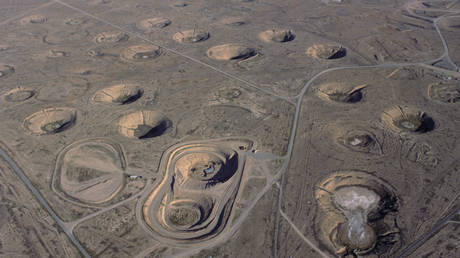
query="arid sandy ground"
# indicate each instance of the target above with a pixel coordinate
(240, 128)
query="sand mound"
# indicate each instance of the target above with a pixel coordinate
(341, 92)
(143, 124)
(193, 201)
(407, 119)
(233, 21)
(51, 120)
(6, 70)
(90, 172)
(191, 36)
(354, 205)
(277, 35)
(360, 141)
(447, 93)
(153, 23)
(34, 19)
(118, 94)
(327, 51)
(231, 52)
(18, 94)
(111, 37)
(141, 52)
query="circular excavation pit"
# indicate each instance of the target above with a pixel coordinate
(34, 19)
(18, 94)
(360, 141)
(111, 37)
(191, 36)
(327, 52)
(341, 92)
(143, 124)
(120, 94)
(194, 200)
(150, 24)
(277, 35)
(6, 70)
(353, 207)
(50, 121)
(90, 172)
(139, 53)
(407, 119)
(231, 52)
(233, 21)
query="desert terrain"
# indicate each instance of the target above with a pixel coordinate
(240, 128)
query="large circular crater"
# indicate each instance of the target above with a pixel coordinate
(139, 53)
(121, 94)
(408, 119)
(231, 52)
(90, 172)
(51, 120)
(327, 52)
(18, 94)
(153, 23)
(277, 35)
(341, 92)
(195, 198)
(191, 36)
(143, 124)
(357, 209)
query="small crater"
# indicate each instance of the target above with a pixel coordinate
(34, 19)
(233, 21)
(340, 92)
(18, 94)
(231, 52)
(6, 70)
(405, 119)
(191, 36)
(143, 124)
(50, 121)
(327, 52)
(153, 23)
(57, 53)
(277, 35)
(119, 94)
(75, 21)
(447, 93)
(111, 37)
(140, 53)
(361, 141)
(179, 4)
